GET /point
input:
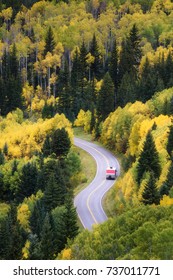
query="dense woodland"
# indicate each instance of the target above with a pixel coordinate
(116, 81)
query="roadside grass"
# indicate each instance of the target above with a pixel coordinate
(79, 132)
(88, 171)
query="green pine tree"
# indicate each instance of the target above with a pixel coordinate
(168, 184)
(5, 239)
(113, 64)
(61, 142)
(136, 53)
(148, 82)
(47, 146)
(83, 65)
(169, 145)
(65, 100)
(50, 43)
(168, 70)
(34, 248)
(106, 98)
(127, 90)
(150, 194)
(16, 235)
(2, 158)
(5, 149)
(10, 83)
(70, 218)
(130, 54)
(96, 66)
(47, 239)
(148, 159)
(58, 215)
(37, 217)
(75, 84)
(28, 181)
(53, 195)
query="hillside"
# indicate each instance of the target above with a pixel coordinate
(115, 80)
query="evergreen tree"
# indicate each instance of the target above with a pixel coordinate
(65, 102)
(148, 159)
(61, 168)
(127, 90)
(34, 248)
(96, 66)
(75, 73)
(130, 54)
(2, 158)
(11, 241)
(106, 98)
(75, 84)
(10, 83)
(58, 215)
(53, 195)
(136, 53)
(113, 67)
(148, 82)
(70, 218)
(169, 145)
(5, 239)
(47, 239)
(17, 241)
(28, 181)
(47, 146)
(168, 70)
(125, 60)
(61, 142)
(37, 218)
(14, 84)
(1, 187)
(5, 149)
(47, 111)
(150, 194)
(50, 43)
(14, 167)
(168, 184)
(83, 65)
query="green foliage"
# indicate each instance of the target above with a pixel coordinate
(61, 142)
(37, 218)
(11, 241)
(95, 67)
(53, 195)
(148, 159)
(123, 237)
(58, 143)
(70, 218)
(28, 181)
(106, 98)
(168, 184)
(150, 193)
(49, 49)
(2, 158)
(169, 145)
(47, 239)
(10, 83)
(50, 43)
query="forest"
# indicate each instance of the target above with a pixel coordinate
(115, 81)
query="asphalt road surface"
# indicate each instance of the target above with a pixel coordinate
(89, 201)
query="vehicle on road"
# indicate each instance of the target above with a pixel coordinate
(111, 173)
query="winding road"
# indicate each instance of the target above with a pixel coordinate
(89, 201)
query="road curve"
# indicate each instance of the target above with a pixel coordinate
(89, 201)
